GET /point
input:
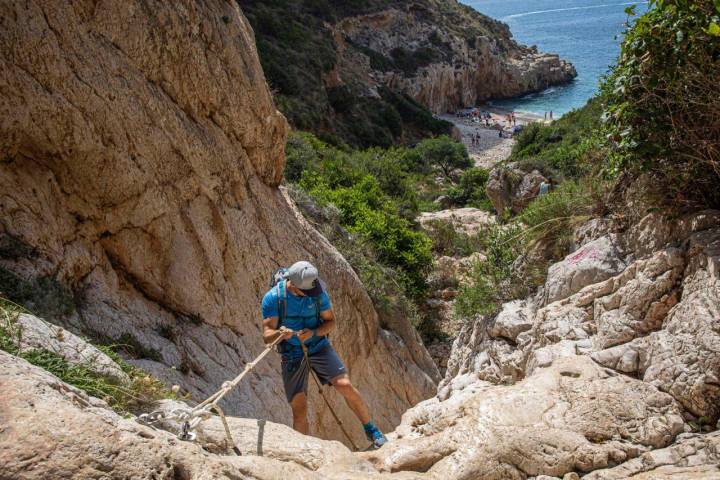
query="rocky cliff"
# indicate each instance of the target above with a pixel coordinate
(140, 157)
(367, 72)
(614, 378)
(444, 55)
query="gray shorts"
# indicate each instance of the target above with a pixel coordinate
(325, 363)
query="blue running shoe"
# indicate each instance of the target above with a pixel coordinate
(374, 435)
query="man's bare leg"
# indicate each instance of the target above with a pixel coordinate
(299, 410)
(352, 397)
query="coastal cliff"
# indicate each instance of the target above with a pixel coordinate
(444, 55)
(372, 73)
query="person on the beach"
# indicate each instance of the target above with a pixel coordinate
(551, 115)
(545, 115)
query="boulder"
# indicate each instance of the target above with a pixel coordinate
(592, 263)
(36, 333)
(508, 187)
(571, 417)
(514, 318)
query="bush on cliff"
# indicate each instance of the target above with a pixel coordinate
(567, 148)
(375, 195)
(663, 104)
(138, 394)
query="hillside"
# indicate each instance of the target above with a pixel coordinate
(371, 73)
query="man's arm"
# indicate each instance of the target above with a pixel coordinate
(271, 332)
(328, 324)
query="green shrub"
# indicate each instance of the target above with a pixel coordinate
(444, 154)
(373, 192)
(663, 104)
(505, 274)
(142, 390)
(470, 190)
(448, 241)
(567, 148)
(550, 220)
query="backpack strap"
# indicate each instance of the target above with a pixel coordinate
(282, 301)
(317, 309)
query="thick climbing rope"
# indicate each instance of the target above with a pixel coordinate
(322, 394)
(191, 418)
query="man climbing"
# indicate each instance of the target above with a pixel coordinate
(298, 308)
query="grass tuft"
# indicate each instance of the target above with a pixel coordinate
(141, 391)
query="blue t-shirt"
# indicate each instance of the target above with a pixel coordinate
(299, 313)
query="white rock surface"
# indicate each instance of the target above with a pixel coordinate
(592, 263)
(37, 333)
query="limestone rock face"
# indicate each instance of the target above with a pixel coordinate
(140, 154)
(35, 333)
(569, 417)
(692, 456)
(450, 56)
(592, 263)
(654, 320)
(509, 187)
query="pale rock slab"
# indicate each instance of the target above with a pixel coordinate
(691, 457)
(467, 220)
(37, 333)
(592, 263)
(573, 416)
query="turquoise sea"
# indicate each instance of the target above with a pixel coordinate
(586, 32)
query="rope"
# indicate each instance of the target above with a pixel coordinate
(322, 394)
(191, 418)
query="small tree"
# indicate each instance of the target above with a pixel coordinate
(444, 154)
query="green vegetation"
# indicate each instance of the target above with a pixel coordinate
(470, 190)
(446, 155)
(567, 148)
(373, 192)
(519, 252)
(141, 391)
(663, 104)
(297, 53)
(502, 276)
(366, 201)
(448, 241)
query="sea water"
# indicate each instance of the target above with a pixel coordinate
(586, 32)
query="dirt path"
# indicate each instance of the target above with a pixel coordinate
(490, 149)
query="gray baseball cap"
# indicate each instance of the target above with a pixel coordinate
(304, 276)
